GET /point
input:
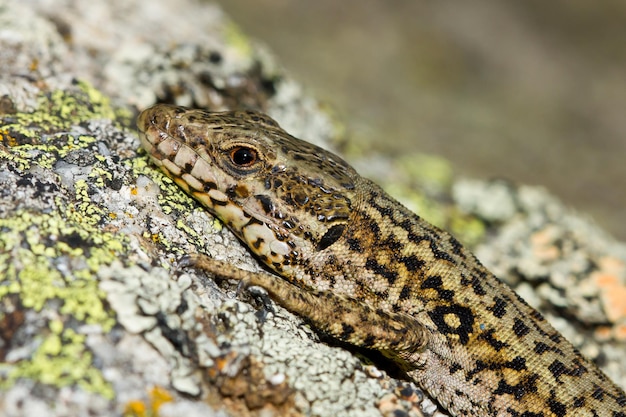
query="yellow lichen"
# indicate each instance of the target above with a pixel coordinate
(33, 244)
(61, 360)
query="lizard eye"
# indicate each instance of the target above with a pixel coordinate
(243, 157)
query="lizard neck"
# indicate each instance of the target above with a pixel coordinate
(371, 260)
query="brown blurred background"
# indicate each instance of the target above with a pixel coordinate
(532, 91)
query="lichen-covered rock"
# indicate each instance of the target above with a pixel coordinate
(95, 318)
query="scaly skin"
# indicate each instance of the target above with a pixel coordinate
(366, 270)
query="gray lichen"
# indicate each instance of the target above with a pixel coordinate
(96, 318)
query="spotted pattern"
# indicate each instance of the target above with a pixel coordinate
(362, 268)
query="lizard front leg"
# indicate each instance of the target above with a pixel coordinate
(349, 320)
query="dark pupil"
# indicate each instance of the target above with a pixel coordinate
(244, 156)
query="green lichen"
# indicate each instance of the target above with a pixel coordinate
(427, 170)
(44, 135)
(100, 176)
(61, 360)
(188, 230)
(426, 179)
(172, 201)
(171, 198)
(59, 110)
(37, 241)
(217, 224)
(418, 202)
(49, 259)
(85, 210)
(236, 38)
(468, 229)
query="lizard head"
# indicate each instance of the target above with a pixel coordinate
(283, 197)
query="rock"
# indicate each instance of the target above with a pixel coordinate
(95, 318)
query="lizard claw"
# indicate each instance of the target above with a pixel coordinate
(261, 295)
(186, 261)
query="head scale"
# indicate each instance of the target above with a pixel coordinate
(284, 197)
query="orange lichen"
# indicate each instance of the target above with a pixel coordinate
(612, 290)
(157, 397)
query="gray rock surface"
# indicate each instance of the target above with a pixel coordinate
(96, 319)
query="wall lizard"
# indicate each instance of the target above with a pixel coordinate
(364, 269)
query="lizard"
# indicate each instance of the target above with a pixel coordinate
(364, 269)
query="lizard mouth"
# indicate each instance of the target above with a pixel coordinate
(189, 168)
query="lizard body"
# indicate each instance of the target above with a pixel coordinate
(363, 268)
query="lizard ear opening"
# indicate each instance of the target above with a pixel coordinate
(331, 236)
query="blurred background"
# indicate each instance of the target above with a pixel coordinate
(530, 91)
